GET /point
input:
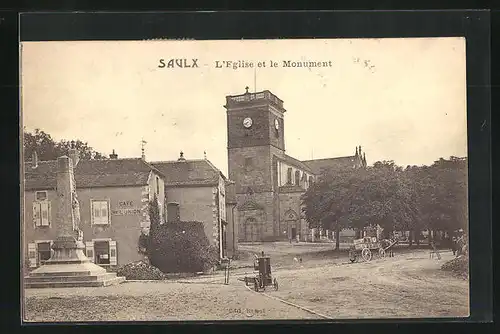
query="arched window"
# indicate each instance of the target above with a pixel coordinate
(297, 177)
(173, 212)
(289, 176)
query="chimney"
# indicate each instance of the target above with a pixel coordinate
(143, 152)
(34, 160)
(74, 154)
(113, 155)
(181, 158)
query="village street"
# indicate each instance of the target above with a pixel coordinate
(407, 285)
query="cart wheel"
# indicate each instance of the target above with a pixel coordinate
(381, 252)
(366, 254)
(275, 284)
(256, 285)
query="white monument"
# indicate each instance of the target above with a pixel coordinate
(68, 265)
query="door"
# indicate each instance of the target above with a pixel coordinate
(255, 232)
(294, 233)
(224, 244)
(101, 250)
(252, 230)
(44, 252)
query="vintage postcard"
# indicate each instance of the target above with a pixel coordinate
(169, 180)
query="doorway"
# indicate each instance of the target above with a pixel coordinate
(224, 244)
(252, 230)
(294, 233)
(44, 252)
(101, 250)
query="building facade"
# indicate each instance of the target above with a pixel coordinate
(268, 182)
(113, 195)
(195, 190)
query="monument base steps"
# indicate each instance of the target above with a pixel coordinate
(75, 284)
(66, 275)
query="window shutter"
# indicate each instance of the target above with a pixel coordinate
(104, 212)
(36, 214)
(89, 249)
(112, 253)
(32, 254)
(49, 210)
(45, 213)
(96, 212)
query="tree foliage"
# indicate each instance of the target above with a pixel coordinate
(418, 197)
(48, 149)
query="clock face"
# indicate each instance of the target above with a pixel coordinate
(276, 124)
(247, 122)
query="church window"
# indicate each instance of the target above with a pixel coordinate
(289, 176)
(297, 177)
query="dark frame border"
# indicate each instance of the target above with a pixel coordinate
(472, 24)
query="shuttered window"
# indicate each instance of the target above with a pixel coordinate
(89, 249)
(100, 212)
(32, 255)
(41, 213)
(113, 257)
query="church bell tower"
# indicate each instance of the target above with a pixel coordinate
(255, 131)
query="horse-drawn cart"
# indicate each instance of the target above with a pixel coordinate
(262, 277)
(366, 246)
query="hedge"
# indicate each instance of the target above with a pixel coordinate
(181, 247)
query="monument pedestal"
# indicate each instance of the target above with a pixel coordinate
(69, 267)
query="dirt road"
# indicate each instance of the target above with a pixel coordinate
(154, 301)
(408, 285)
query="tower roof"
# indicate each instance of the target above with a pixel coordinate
(249, 99)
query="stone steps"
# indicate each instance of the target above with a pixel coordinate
(69, 278)
(68, 274)
(70, 282)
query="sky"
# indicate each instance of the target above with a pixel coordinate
(400, 99)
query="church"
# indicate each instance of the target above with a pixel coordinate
(268, 182)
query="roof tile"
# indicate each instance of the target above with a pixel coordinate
(91, 173)
(188, 172)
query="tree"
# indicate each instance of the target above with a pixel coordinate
(357, 198)
(326, 203)
(443, 195)
(418, 197)
(152, 242)
(47, 149)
